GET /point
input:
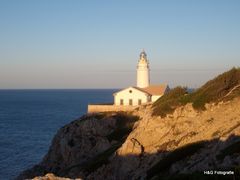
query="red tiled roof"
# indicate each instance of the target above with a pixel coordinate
(155, 89)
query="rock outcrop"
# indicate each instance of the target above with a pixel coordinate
(51, 176)
(83, 145)
(187, 141)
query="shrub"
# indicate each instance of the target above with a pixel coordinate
(213, 91)
(167, 103)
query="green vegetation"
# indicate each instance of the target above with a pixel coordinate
(222, 88)
(169, 102)
(177, 155)
(215, 90)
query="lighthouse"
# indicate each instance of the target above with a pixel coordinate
(143, 79)
(128, 98)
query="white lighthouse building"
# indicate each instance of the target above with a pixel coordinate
(127, 99)
(143, 71)
(144, 92)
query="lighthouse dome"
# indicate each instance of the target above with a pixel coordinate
(143, 55)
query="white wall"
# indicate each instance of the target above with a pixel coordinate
(155, 97)
(135, 95)
(143, 78)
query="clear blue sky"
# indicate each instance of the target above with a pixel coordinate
(96, 44)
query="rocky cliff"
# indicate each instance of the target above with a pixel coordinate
(180, 144)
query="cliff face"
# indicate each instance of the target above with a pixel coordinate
(84, 145)
(186, 141)
(180, 134)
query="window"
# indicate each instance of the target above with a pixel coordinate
(121, 101)
(130, 102)
(149, 99)
(139, 101)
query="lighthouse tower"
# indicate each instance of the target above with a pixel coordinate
(143, 79)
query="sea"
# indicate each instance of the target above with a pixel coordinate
(29, 119)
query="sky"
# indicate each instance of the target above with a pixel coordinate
(51, 44)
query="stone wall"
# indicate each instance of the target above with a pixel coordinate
(107, 108)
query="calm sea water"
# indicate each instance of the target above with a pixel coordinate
(30, 118)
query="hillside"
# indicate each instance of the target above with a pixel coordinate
(189, 134)
(222, 88)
